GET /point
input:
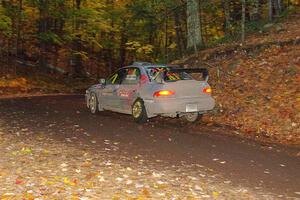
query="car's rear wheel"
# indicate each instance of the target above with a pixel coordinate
(139, 112)
(93, 103)
(192, 117)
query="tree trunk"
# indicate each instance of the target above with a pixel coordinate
(194, 35)
(78, 4)
(243, 19)
(76, 62)
(277, 7)
(43, 28)
(226, 8)
(178, 34)
(270, 5)
(123, 42)
(166, 37)
(256, 10)
(111, 38)
(19, 26)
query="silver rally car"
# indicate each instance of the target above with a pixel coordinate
(145, 90)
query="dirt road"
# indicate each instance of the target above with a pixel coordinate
(53, 147)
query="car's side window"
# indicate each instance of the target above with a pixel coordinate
(116, 78)
(131, 76)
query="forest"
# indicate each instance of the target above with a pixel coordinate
(235, 135)
(95, 37)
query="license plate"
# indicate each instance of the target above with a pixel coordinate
(191, 108)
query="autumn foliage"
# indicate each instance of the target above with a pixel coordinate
(257, 85)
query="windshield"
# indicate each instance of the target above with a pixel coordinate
(158, 72)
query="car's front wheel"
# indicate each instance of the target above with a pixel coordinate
(139, 112)
(93, 103)
(192, 117)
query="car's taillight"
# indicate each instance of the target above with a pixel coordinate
(207, 90)
(163, 93)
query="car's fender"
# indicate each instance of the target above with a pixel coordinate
(97, 90)
(146, 94)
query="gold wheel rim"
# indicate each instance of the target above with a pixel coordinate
(93, 103)
(137, 109)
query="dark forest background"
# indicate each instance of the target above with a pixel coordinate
(94, 37)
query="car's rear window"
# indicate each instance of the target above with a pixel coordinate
(155, 72)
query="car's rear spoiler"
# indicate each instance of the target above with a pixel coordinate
(203, 71)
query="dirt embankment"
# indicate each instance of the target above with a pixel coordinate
(23, 85)
(257, 84)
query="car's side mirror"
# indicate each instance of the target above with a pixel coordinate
(102, 81)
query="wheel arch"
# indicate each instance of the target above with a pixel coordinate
(142, 117)
(97, 94)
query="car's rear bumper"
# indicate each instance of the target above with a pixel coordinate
(174, 106)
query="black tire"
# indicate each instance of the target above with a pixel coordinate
(139, 112)
(193, 117)
(93, 103)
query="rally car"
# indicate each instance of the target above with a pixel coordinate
(146, 90)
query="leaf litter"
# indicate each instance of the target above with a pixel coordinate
(31, 168)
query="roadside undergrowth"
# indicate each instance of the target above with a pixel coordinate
(257, 90)
(41, 84)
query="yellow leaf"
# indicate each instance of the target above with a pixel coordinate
(216, 194)
(68, 182)
(49, 183)
(173, 46)
(26, 151)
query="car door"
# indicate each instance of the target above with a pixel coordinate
(129, 88)
(109, 94)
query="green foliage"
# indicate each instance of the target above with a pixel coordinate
(5, 23)
(50, 37)
(255, 26)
